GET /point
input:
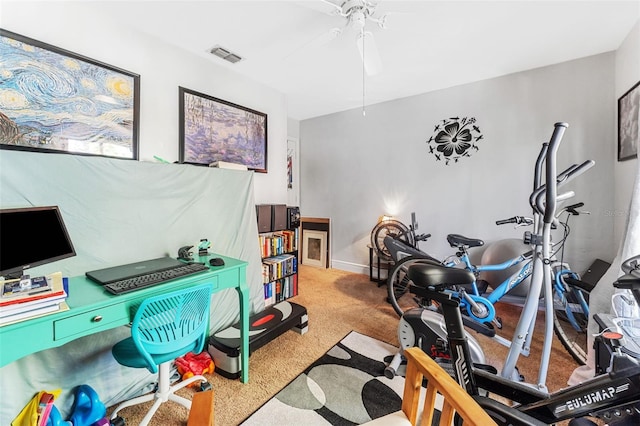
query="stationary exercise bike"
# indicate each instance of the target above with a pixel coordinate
(613, 397)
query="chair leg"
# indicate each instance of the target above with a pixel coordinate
(131, 402)
(187, 382)
(147, 418)
(180, 400)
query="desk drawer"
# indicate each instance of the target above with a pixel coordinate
(117, 314)
(91, 322)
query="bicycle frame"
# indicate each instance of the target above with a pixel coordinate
(503, 288)
(561, 289)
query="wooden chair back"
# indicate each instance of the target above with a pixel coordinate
(456, 399)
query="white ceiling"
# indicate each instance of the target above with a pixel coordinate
(440, 43)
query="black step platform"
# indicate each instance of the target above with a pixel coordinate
(224, 346)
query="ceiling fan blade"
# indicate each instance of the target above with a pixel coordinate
(319, 41)
(369, 53)
(400, 21)
(325, 38)
(337, 9)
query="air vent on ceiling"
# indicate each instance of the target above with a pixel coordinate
(225, 54)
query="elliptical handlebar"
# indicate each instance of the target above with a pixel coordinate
(538, 197)
(537, 175)
(550, 171)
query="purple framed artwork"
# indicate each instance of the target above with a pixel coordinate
(213, 130)
(54, 100)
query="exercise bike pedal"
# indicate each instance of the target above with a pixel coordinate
(486, 329)
(485, 367)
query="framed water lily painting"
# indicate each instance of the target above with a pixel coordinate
(54, 100)
(213, 131)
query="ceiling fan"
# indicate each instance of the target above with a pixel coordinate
(357, 14)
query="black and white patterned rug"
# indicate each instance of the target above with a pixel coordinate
(346, 386)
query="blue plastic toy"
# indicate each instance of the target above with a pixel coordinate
(87, 407)
(55, 418)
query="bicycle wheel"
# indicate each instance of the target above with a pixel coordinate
(398, 286)
(570, 322)
(393, 228)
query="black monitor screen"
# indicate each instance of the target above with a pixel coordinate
(30, 237)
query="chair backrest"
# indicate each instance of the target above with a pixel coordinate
(456, 399)
(172, 324)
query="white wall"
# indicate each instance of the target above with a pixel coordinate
(356, 168)
(82, 28)
(627, 73)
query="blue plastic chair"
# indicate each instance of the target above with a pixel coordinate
(164, 328)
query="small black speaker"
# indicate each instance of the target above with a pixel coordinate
(293, 217)
(263, 212)
(279, 217)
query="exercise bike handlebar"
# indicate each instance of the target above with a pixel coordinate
(422, 237)
(631, 266)
(572, 208)
(518, 220)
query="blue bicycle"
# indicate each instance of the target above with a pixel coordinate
(478, 306)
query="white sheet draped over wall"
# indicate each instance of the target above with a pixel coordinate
(117, 212)
(600, 297)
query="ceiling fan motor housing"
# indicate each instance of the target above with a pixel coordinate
(358, 11)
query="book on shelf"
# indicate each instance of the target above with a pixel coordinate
(279, 290)
(280, 242)
(277, 267)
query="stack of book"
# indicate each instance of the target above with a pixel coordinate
(279, 290)
(277, 267)
(40, 296)
(278, 242)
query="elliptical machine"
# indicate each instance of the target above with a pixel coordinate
(543, 201)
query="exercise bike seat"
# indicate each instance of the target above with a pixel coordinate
(438, 277)
(457, 240)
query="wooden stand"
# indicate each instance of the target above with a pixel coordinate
(201, 413)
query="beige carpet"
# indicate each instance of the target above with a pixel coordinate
(337, 302)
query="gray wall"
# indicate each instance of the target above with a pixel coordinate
(356, 168)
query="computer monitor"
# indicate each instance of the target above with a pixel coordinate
(30, 237)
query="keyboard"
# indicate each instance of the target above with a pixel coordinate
(147, 280)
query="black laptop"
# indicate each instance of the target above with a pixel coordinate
(121, 272)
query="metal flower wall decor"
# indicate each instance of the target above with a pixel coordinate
(454, 138)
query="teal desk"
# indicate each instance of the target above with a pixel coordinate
(93, 309)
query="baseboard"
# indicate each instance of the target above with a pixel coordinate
(350, 267)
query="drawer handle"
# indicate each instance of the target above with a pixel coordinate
(97, 318)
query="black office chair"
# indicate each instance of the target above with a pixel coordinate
(164, 328)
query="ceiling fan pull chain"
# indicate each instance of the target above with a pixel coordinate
(364, 112)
